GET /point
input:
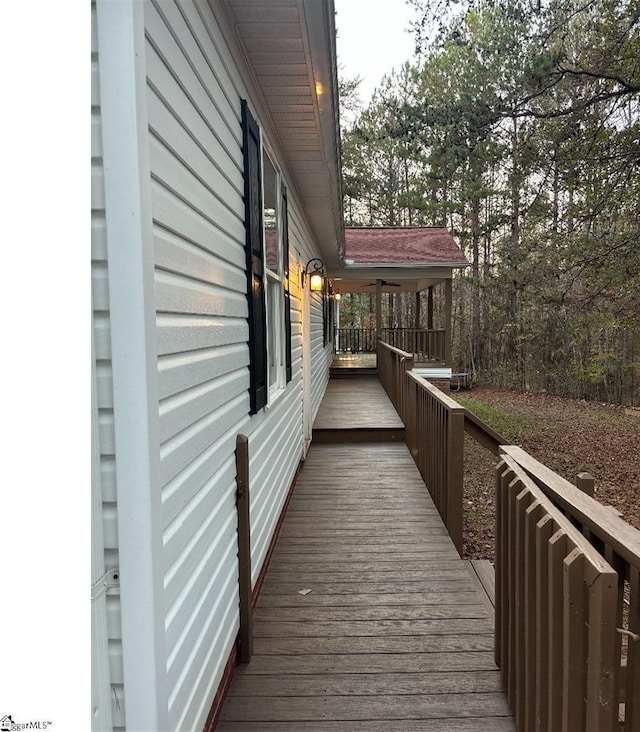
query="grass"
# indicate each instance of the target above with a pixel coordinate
(511, 426)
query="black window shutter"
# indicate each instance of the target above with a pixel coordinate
(325, 312)
(331, 304)
(287, 289)
(255, 260)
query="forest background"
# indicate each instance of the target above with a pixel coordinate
(518, 129)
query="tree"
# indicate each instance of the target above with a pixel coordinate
(519, 131)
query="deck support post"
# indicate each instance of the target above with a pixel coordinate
(378, 308)
(448, 307)
(586, 483)
(244, 549)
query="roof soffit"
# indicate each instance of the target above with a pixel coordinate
(290, 48)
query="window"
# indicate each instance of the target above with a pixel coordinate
(267, 252)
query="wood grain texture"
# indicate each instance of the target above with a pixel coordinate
(391, 632)
(356, 403)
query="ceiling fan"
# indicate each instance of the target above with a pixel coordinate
(383, 283)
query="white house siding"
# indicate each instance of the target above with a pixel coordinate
(194, 92)
(320, 356)
(104, 486)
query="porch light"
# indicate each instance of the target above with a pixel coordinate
(315, 271)
(338, 296)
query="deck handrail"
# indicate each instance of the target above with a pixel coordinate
(556, 613)
(434, 429)
(619, 543)
(482, 433)
(392, 363)
(603, 522)
(438, 453)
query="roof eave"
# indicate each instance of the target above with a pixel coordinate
(298, 93)
(349, 266)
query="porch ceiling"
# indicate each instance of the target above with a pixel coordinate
(404, 280)
(290, 48)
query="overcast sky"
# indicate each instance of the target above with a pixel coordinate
(373, 39)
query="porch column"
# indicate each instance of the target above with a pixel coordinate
(430, 309)
(448, 301)
(378, 309)
(416, 324)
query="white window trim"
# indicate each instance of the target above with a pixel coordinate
(276, 389)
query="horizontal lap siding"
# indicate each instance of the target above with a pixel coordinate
(194, 93)
(203, 379)
(320, 356)
(104, 387)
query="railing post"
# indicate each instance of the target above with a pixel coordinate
(448, 307)
(430, 308)
(586, 482)
(244, 548)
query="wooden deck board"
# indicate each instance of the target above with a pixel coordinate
(492, 724)
(356, 404)
(384, 706)
(368, 684)
(371, 663)
(390, 633)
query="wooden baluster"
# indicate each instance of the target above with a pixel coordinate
(574, 654)
(544, 529)
(632, 676)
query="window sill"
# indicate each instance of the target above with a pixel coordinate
(274, 394)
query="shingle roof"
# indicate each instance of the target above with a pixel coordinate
(402, 245)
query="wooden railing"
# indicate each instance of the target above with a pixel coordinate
(434, 432)
(567, 602)
(434, 429)
(356, 340)
(555, 613)
(392, 364)
(567, 568)
(427, 345)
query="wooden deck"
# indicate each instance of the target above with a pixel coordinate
(357, 410)
(368, 619)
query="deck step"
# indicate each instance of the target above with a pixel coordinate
(351, 373)
(338, 435)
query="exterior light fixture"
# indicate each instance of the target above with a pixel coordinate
(315, 271)
(338, 296)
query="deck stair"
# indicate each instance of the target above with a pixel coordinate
(355, 372)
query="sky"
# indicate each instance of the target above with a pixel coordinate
(373, 39)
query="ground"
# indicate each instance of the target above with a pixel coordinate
(568, 435)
